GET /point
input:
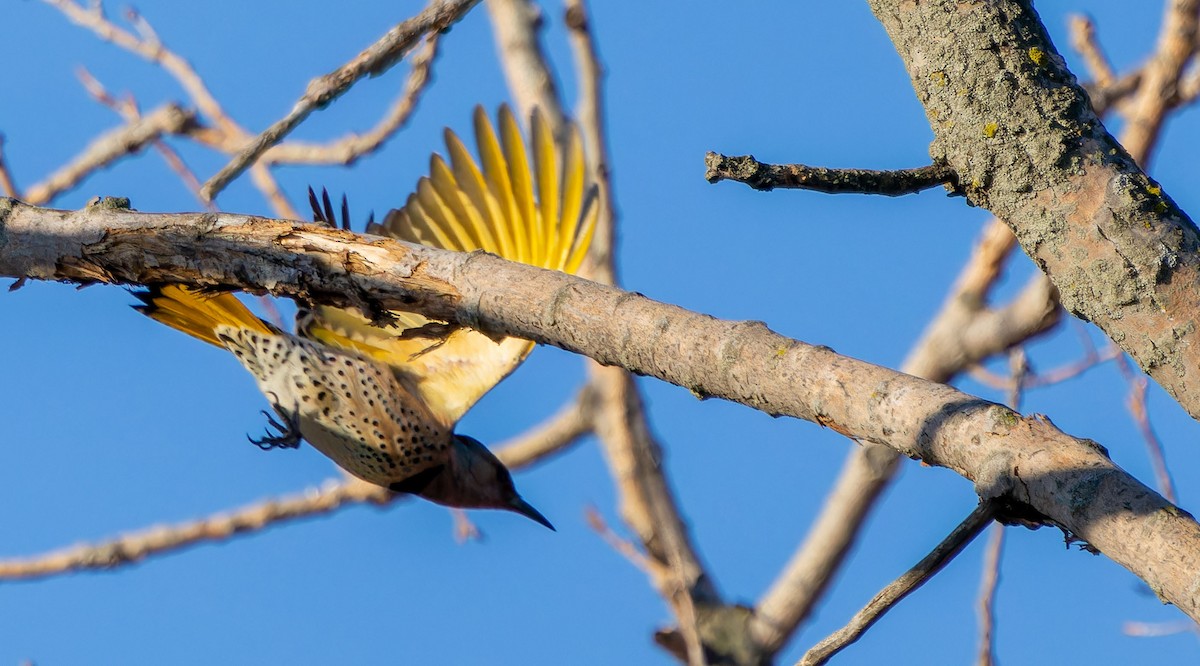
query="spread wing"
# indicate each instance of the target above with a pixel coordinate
(537, 211)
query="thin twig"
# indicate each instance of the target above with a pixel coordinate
(963, 332)
(624, 547)
(464, 528)
(633, 453)
(1136, 403)
(321, 91)
(140, 545)
(226, 135)
(989, 580)
(137, 546)
(150, 48)
(902, 586)
(111, 146)
(1018, 367)
(516, 25)
(1057, 375)
(767, 177)
(987, 597)
(1083, 40)
(6, 180)
(127, 108)
(1161, 77)
(1157, 629)
(590, 107)
(349, 149)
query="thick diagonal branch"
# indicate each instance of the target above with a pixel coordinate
(1025, 461)
(1011, 120)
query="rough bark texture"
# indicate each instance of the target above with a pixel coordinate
(1012, 121)
(1038, 470)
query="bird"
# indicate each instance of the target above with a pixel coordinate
(383, 403)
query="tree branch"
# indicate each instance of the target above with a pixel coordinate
(111, 146)
(989, 581)
(516, 24)
(766, 177)
(901, 587)
(349, 149)
(375, 59)
(1027, 146)
(535, 446)
(1078, 487)
(964, 332)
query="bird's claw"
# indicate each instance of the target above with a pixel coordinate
(286, 435)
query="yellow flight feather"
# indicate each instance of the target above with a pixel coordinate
(499, 187)
(546, 170)
(520, 178)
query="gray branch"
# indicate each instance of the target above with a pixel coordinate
(1014, 124)
(1036, 471)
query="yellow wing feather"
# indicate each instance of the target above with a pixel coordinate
(520, 178)
(546, 170)
(475, 191)
(461, 206)
(496, 175)
(572, 194)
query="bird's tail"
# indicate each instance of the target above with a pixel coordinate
(198, 313)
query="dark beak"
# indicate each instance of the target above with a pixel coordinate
(525, 509)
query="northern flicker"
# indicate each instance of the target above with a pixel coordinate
(381, 404)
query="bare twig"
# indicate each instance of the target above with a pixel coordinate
(595, 142)
(1072, 370)
(624, 547)
(127, 108)
(1018, 365)
(349, 149)
(135, 547)
(226, 135)
(963, 332)
(901, 587)
(516, 25)
(150, 48)
(375, 59)
(464, 529)
(1157, 629)
(633, 453)
(1161, 77)
(1058, 375)
(6, 180)
(1083, 40)
(1136, 403)
(987, 597)
(766, 177)
(111, 146)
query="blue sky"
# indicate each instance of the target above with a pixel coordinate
(114, 423)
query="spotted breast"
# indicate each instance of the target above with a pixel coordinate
(357, 411)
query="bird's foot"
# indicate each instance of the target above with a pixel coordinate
(286, 435)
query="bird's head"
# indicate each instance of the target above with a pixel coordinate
(474, 478)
